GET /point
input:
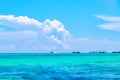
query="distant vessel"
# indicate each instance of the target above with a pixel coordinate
(53, 52)
(93, 52)
(98, 52)
(76, 52)
(116, 52)
(102, 52)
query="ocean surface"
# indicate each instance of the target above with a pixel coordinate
(60, 66)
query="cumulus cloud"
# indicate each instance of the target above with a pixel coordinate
(28, 34)
(24, 34)
(19, 20)
(17, 23)
(112, 22)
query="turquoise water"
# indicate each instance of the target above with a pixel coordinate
(60, 66)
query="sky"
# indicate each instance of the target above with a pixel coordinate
(59, 25)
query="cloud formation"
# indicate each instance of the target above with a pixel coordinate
(27, 34)
(112, 22)
(24, 34)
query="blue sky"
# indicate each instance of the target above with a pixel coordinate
(59, 25)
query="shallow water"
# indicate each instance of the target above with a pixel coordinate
(59, 67)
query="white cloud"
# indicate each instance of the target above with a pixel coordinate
(20, 20)
(55, 27)
(28, 34)
(59, 42)
(24, 34)
(109, 18)
(112, 22)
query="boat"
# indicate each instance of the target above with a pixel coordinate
(76, 52)
(116, 52)
(102, 52)
(93, 52)
(52, 52)
(98, 52)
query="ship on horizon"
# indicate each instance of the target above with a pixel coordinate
(99, 52)
(116, 52)
(53, 52)
(75, 52)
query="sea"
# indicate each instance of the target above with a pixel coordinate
(59, 66)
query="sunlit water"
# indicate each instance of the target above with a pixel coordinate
(60, 67)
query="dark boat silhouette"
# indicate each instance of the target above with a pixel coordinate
(98, 52)
(76, 52)
(52, 52)
(116, 52)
